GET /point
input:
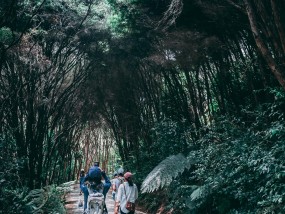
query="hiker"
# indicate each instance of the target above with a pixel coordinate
(126, 196)
(113, 182)
(94, 177)
(119, 180)
(81, 178)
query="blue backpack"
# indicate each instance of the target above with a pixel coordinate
(95, 173)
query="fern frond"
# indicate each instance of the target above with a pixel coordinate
(198, 193)
(164, 173)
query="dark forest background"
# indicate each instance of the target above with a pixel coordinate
(188, 95)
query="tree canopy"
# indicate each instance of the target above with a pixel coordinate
(188, 95)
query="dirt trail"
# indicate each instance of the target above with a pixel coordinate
(72, 201)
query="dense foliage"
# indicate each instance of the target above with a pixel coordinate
(234, 168)
(191, 89)
(10, 181)
(44, 59)
(202, 88)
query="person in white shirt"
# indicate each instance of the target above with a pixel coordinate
(127, 191)
(113, 182)
(118, 181)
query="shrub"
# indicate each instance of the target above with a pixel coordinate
(236, 167)
(6, 35)
(12, 190)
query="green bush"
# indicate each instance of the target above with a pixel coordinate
(46, 200)
(12, 190)
(6, 35)
(14, 196)
(236, 167)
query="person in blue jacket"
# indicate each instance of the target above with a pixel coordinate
(94, 175)
(81, 178)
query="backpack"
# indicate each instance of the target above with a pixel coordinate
(121, 180)
(95, 173)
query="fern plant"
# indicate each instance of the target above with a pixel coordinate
(164, 173)
(234, 168)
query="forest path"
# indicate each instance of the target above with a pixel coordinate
(73, 198)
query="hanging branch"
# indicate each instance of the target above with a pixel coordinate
(173, 12)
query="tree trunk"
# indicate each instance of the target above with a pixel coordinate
(262, 45)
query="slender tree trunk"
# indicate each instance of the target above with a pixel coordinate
(262, 45)
(278, 21)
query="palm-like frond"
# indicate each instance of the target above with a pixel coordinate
(198, 193)
(164, 173)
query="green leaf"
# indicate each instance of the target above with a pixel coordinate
(164, 173)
